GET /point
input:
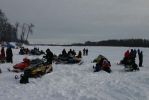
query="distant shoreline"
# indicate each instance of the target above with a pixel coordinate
(115, 43)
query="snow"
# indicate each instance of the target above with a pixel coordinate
(79, 82)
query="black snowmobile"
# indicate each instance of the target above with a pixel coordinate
(129, 65)
(67, 60)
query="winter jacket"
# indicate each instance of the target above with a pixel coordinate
(2, 56)
(106, 64)
(127, 54)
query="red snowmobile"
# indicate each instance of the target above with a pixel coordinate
(20, 66)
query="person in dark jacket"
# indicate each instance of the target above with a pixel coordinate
(70, 53)
(9, 55)
(79, 54)
(86, 51)
(49, 56)
(64, 53)
(73, 53)
(97, 68)
(140, 55)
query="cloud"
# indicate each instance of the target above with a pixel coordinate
(93, 19)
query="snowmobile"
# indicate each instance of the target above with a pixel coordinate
(35, 70)
(102, 63)
(38, 69)
(129, 65)
(36, 51)
(25, 64)
(67, 60)
(20, 66)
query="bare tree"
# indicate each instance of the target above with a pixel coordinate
(30, 30)
(23, 31)
(16, 28)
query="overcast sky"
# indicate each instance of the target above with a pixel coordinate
(67, 21)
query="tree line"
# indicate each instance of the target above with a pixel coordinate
(121, 42)
(14, 33)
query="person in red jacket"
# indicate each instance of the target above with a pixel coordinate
(2, 55)
(127, 54)
(106, 66)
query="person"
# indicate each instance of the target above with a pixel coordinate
(9, 55)
(49, 56)
(126, 58)
(27, 51)
(98, 65)
(84, 53)
(134, 53)
(79, 54)
(70, 53)
(2, 55)
(73, 52)
(140, 55)
(21, 51)
(127, 54)
(106, 66)
(64, 53)
(97, 68)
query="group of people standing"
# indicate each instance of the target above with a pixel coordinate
(85, 52)
(71, 53)
(6, 56)
(130, 58)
